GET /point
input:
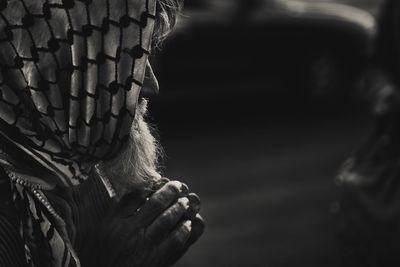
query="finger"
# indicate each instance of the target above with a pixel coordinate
(198, 227)
(174, 245)
(195, 206)
(196, 232)
(159, 183)
(161, 200)
(166, 222)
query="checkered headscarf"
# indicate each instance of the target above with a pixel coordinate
(71, 72)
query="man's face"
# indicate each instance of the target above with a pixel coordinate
(82, 65)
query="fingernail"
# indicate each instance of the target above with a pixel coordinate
(184, 189)
(185, 202)
(195, 202)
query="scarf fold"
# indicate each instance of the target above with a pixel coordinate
(42, 228)
(71, 73)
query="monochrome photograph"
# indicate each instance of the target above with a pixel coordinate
(199, 133)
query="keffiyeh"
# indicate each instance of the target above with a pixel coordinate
(71, 73)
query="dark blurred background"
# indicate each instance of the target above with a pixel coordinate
(258, 110)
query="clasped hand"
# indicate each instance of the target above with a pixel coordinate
(155, 233)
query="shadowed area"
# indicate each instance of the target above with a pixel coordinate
(260, 142)
(267, 190)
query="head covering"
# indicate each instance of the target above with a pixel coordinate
(71, 73)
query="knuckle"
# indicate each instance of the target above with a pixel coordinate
(174, 186)
(156, 199)
(183, 203)
(187, 227)
(171, 213)
(185, 188)
(195, 200)
(184, 231)
(195, 196)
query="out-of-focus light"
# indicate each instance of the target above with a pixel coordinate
(329, 11)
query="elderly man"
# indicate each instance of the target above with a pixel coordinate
(79, 183)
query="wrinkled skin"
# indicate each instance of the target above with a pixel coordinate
(155, 233)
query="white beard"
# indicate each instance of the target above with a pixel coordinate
(136, 168)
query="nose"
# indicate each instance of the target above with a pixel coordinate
(150, 83)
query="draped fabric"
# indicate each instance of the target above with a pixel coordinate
(48, 228)
(43, 231)
(71, 72)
